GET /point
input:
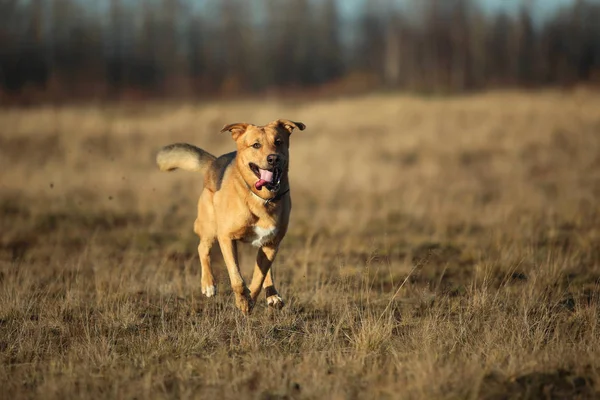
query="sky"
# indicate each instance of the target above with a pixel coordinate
(546, 7)
(542, 8)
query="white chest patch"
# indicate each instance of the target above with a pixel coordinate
(261, 236)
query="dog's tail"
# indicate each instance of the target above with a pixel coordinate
(184, 156)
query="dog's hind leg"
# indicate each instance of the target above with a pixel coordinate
(209, 288)
(243, 301)
(273, 298)
(263, 276)
(204, 228)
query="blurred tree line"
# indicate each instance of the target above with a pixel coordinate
(57, 50)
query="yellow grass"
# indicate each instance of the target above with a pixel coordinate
(439, 248)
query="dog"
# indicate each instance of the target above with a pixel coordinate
(246, 197)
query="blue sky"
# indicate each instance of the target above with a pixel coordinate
(542, 8)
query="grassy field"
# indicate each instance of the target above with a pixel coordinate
(439, 248)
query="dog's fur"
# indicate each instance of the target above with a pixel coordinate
(245, 197)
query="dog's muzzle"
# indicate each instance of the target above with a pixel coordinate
(268, 178)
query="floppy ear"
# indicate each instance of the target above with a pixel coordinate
(288, 125)
(236, 129)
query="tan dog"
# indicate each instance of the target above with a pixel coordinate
(246, 197)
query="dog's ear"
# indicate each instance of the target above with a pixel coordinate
(236, 129)
(288, 125)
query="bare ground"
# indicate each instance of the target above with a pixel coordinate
(439, 248)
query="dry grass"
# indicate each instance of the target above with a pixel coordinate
(439, 248)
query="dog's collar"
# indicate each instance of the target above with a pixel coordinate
(275, 199)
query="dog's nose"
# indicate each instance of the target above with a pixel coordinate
(272, 159)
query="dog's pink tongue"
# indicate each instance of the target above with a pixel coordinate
(265, 177)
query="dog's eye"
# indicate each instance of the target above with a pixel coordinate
(256, 145)
(278, 142)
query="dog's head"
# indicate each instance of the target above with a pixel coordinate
(263, 151)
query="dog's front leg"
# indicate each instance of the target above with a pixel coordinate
(262, 276)
(243, 300)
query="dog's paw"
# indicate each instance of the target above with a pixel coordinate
(244, 302)
(209, 291)
(275, 301)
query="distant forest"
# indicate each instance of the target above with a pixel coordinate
(65, 50)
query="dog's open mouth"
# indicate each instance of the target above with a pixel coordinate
(267, 178)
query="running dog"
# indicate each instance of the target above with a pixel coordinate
(246, 197)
